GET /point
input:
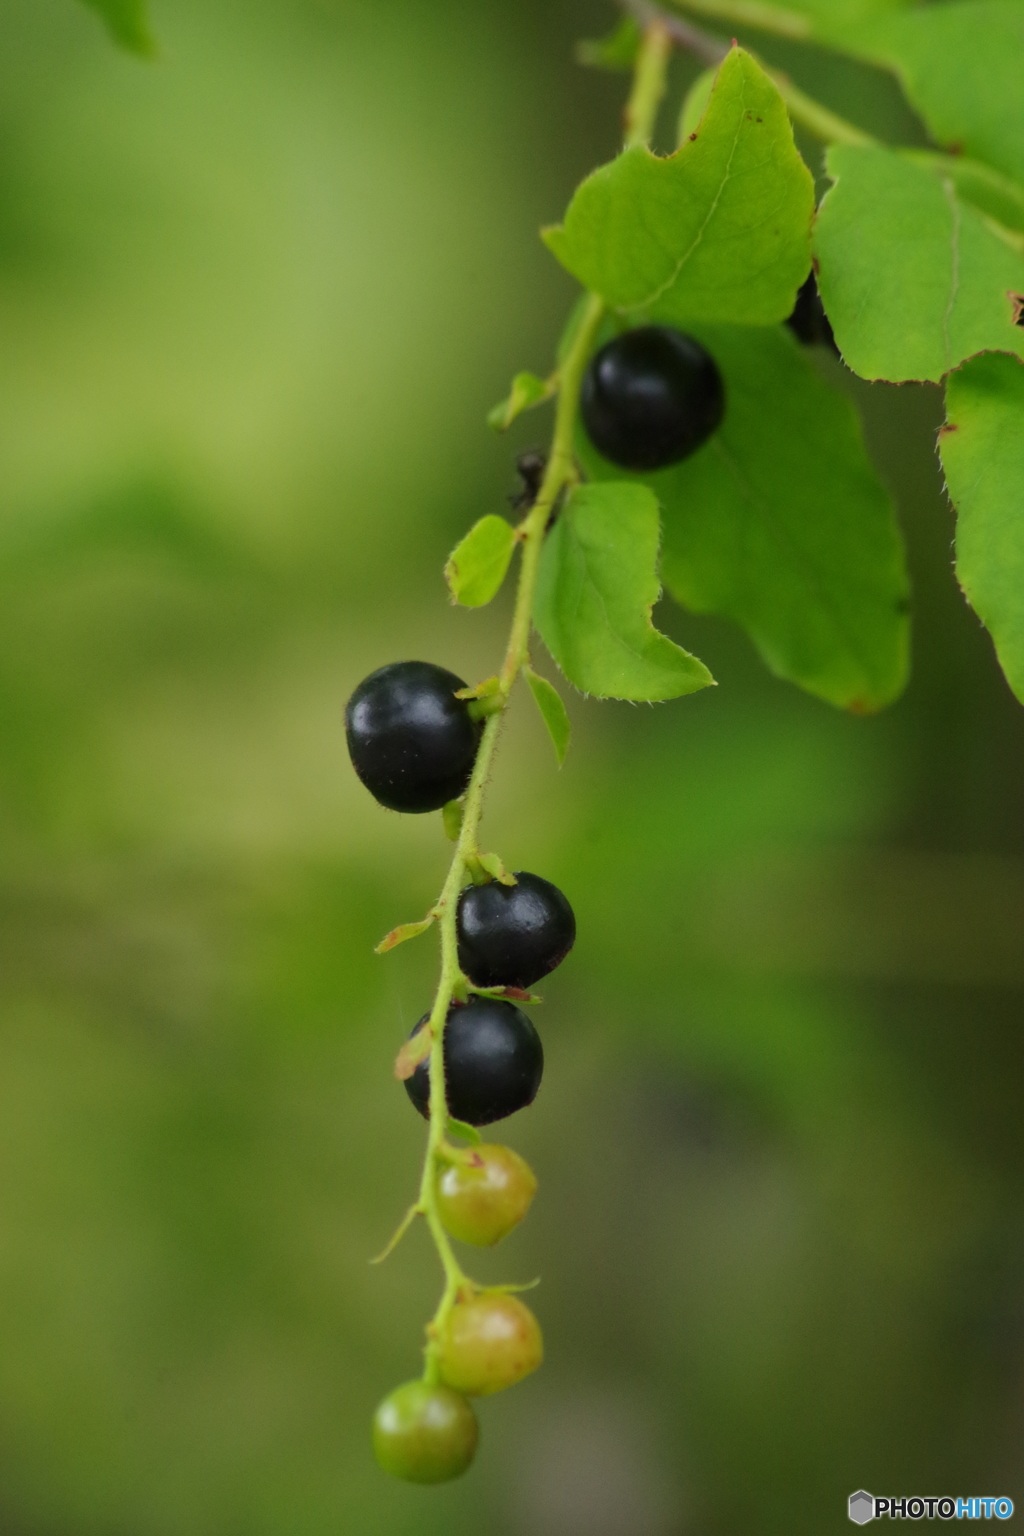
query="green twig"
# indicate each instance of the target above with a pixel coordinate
(649, 79)
(754, 13)
(817, 119)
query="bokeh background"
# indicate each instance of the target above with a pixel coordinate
(255, 299)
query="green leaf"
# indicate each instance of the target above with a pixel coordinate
(596, 586)
(553, 712)
(527, 390)
(616, 51)
(961, 66)
(127, 23)
(492, 865)
(403, 932)
(467, 1132)
(718, 231)
(780, 523)
(913, 280)
(451, 820)
(695, 104)
(477, 566)
(982, 450)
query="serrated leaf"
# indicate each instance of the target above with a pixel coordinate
(695, 104)
(718, 231)
(528, 389)
(616, 51)
(478, 565)
(596, 586)
(780, 524)
(982, 451)
(913, 279)
(127, 23)
(961, 66)
(415, 1050)
(403, 932)
(552, 711)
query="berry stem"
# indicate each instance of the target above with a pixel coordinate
(559, 473)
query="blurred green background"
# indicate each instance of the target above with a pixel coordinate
(255, 300)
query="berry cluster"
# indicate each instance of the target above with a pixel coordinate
(413, 736)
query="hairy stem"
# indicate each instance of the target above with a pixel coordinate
(560, 472)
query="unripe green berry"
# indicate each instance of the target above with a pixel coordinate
(425, 1434)
(484, 1195)
(488, 1343)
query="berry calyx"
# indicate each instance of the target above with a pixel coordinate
(651, 397)
(512, 935)
(484, 1195)
(488, 1343)
(424, 1433)
(411, 741)
(493, 1062)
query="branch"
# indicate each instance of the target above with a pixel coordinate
(703, 45)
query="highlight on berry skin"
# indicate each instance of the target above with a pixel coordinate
(651, 397)
(489, 1343)
(484, 1194)
(425, 1433)
(493, 1062)
(411, 741)
(512, 935)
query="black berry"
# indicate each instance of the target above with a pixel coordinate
(493, 1061)
(512, 935)
(650, 397)
(411, 741)
(809, 322)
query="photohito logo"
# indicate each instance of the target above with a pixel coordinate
(865, 1507)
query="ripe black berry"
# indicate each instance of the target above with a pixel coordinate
(512, 935)
(493, 1061)
(809, 322)
(650, 397)
(411, 741)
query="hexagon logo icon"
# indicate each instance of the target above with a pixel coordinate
(862, 1507)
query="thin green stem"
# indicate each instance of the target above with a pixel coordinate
(559, 473)
(819, 120)
(649, 80)
(752, 13)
